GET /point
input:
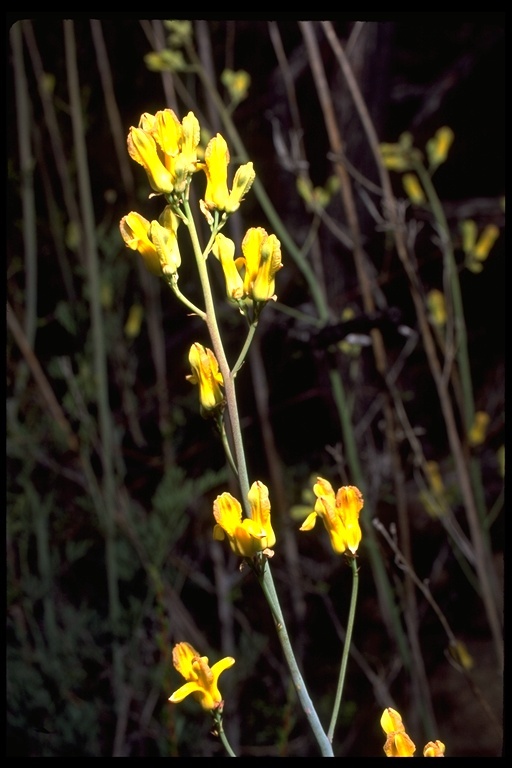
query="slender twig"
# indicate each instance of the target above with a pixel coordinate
(484, 566)
(100, 356)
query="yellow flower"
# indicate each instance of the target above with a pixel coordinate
(437, 307)
(262, 259)
(434, 749)
(477, 250)
(216, 161)
(248, 536)
(439, 146)
(206, 373)
(398, 743)
(224, 250)
(156, 242)
(413, 188)
(400, 156)
(339, 513)
(486, 241)
(166, 148)
(478, 429)
(202, 680)
(237, 84)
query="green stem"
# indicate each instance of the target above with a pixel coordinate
(267, 585)
(218, 347)
(173, 284)
(225, 442)
(217, 719)
(245, 349)
(346, 648)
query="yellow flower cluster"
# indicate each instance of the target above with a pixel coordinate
(168, 150)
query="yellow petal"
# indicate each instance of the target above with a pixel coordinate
(135, 233)
(309, 522)
(184, 691)
(142, 149)
(391, 721)
(434, 749)
(227, 512)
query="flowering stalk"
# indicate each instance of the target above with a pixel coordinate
(167, 150)
(265, 576)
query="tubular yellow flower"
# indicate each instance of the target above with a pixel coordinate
(439, 145)
(249, 536)
(155, 241)
(270, 263)
(224, 250)
(202, 680)
(166, 149)
(434, 749)
(400, 156)
(143, 149)
(339, 513)
(437, 307)
(262, 257)
(486, 241)
(398, 743)
(135, 233)
(413, 188)
(216, 161)
(206, 373)
(478, 431)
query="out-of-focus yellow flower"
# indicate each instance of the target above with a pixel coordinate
(262, 258)
(206, 373)
(477, 250)
(166, 149)
(339, 513)
(486, 241)
(413, 188)
(202, 680)
(398, 743)
(216, 161)
(246, 536)
(476, 435)
(156, 242)
(401, 156)
(437, 307)
(237, 84)
(435, 499)
(438, 146)
(434, 749)
(134, 321)
(224, 250)
(460, 654)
